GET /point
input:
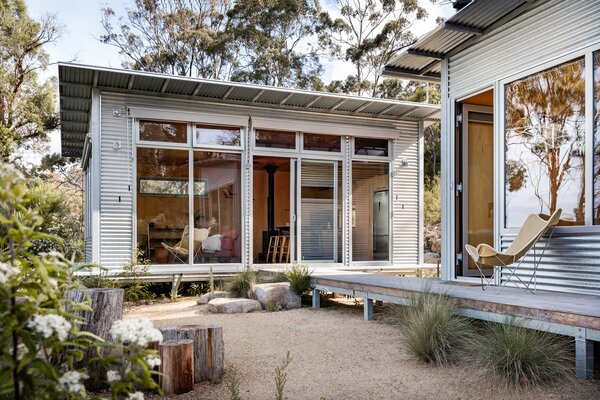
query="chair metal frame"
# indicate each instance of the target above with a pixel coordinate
(513, 269)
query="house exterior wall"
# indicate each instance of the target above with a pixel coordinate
(546, 35)
(117, 154)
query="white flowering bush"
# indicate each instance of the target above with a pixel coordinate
(41, 345)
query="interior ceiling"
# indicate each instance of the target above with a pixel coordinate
(283, 164)
(482, 99)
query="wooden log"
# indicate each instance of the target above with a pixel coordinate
(177, 366)
(211, 351)
(208, 348)
(106, 308)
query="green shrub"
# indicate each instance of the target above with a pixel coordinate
(522, 356)
(242, 285)
(432, 330)
(431, 200)
(299, 278)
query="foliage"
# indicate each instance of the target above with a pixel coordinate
(40, 343)
(432, 331)
(522, 356)
(432, 200)
(299, 278)
(189, 38)
(233, 383)
(242, 285)
(368, 33)
(277, 42)
(136, 288)
(27, 108)
(197, 288)
(281, 377)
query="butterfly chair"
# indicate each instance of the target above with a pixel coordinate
(180, 251)
(530, 233)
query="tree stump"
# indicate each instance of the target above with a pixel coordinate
(106, 307)
(177, 366)
(209, 348)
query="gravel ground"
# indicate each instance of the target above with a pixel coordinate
(335, 355)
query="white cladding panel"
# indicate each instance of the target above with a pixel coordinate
(405, 192)
(535, 37)
(116, 168)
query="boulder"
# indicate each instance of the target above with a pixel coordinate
(233, 306)
(217, 294)
(277, 296)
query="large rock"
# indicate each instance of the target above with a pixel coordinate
(277, 296)
(206, 297)
(233, 306)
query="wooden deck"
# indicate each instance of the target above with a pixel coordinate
(563, 313)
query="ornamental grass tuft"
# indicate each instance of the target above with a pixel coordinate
(433, 332)
(299, 278)
(242, 285)
(523, 357)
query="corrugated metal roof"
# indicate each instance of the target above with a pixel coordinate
(421, 61)
(76, 83)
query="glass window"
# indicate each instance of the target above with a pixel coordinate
(370, 211)
(275, 139)
(162, 205)
(371, 147)
(157, 131)
(596, 58)
(217, 209)
(545, 154)
(212, 135)
(322, 143)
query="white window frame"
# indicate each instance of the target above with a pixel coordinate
(355, 156)
(585, 53)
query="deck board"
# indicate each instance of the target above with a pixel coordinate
(561, 308)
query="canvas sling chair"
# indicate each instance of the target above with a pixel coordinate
(531, 232)
(181, 250)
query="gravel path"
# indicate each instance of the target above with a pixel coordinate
(335, 355)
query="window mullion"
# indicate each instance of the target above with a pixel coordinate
(589, 139)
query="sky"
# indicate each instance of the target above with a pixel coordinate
(81, 20)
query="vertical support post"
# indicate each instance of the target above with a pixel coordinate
(316, 298)
(368, 308)
(584, 355)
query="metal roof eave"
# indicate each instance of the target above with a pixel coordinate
(76, 82)
(454, 35)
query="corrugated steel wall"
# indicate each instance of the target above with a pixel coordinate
(553, 29)
(537, 36)
(116, 200)
(405, 201)
(116, 204)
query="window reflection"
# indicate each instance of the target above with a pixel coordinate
(371, 147)
(275, 139)
(545, 154)
(157, 131)
(211, 135)
(317, 142)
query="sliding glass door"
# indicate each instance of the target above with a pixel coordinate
(319, 211)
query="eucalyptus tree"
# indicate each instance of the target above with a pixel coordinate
(27, 106)
(368, 33)
(180, 37)
(278, 42)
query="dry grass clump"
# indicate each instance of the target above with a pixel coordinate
(433, 332)
(242, 285)
(299, 278)
(521, 356)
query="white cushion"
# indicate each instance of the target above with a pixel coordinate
(201, 234)
(212, 244)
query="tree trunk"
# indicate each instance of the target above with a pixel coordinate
(107, 307)
(208, 348)
(177, 366)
